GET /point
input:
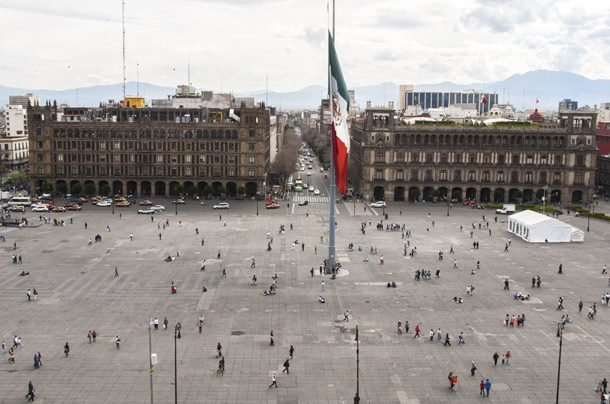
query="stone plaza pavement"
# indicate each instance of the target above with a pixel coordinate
(79, 292)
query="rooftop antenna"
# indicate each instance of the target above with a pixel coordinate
(124, 78)
(189, 74)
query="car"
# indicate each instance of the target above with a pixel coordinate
(146, 202)
(221, 205)
(123, 204)
(73, 206)
(316, 191)
(559, 212)
(179, 201)
(272, 205)
(302, 168)
(146, 211)
(104, 204)
(58, 209)
(304, 203)
(309, 173)
(17, 208)
(311, 188)
(40, 208)
(378, 204)
(159, 208)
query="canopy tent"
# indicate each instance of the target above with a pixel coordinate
(534, 227)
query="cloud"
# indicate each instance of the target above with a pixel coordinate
(315, 36)
(63, 12)
(388, 55)
(499, 17)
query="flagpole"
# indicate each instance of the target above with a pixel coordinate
(332, 194)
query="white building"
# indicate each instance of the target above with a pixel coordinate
(14, 143)
(604, 112)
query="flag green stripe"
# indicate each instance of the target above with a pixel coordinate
(335, 69)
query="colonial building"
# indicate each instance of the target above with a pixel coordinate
(508, 162)
(149, 151)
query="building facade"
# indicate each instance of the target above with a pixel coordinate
(14, 145)
(149, 151)
(521, 163)
(414, 102)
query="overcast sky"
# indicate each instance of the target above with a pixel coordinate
(237, 43)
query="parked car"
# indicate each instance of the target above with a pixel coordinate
(272, 205)
(311, 188)
(378, 204)
(40, 208)
(104, 204)
(123, 204)
(17, 208)
(316, 191)
(179, 201)
(58, 209)
(73, 206)
(304, 203)
(159, 208)
(222, 205)
(146, 212)
(309, 173)
(146, 202)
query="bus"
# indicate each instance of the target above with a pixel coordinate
(20, 201)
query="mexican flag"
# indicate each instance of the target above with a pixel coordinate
(339, 98)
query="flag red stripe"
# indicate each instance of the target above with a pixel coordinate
(340, 159)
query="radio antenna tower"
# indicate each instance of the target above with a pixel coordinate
(124, 78)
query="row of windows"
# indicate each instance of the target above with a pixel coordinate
(17, 146)
(146, 171)
(145, 158)
(528, 177)
(147, 133)
(145, 146)
(473, 158)
(463, 140)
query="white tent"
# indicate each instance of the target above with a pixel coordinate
(534, 227)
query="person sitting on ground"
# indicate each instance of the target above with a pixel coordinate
(366, 259)
(321, 299)
(393, 284)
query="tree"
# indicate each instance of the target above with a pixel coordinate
(17, 177)
(219, 190)
(89, 188)
(241, 190)
(284, 162)
(104, 189)
(179, 189)
(62, 188)
(191, 190)
(208, 190)
(77, 188)
(47, 187)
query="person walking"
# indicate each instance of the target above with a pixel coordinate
(417, 331)
(218, 350)
(580, 304)
(200, 324)
(286, 366)
(221, 366)
(273, 381)
(271, 339)
(482, 388)
(346, 316)
(604, 269)
(291, 352)
(507, 357)
(496, 356)
(487, 387)
(322, 286)
(30, 395)
(29, 294)
(116, 271)
(224, 272)
(89, 336)
(66, 349)
(93, 335)
(117, 342)
(156, 323)
(473, 368)
(165, 323)
(253, 264)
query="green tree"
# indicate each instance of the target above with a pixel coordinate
(89, 188)
(76, 188)
(179, 189)
(47, 187)
(191, 190)
(241, 190)
(104, 189)
(62, 188)
(219, 190)
(207, 190)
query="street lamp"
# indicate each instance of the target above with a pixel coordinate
(150, 363)
(448, 202)
(589, 216)
(383, 199)
(560, 335)
(177, 335)
(357, 396)
(257, 195)
(546, 188)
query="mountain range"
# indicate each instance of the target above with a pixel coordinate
(522, 90)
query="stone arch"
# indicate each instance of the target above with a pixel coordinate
(528, 195)
(251, 188)
(189, 188)
(442, 193)
(485, 195)
(132, 187)
(231, 188)
(514, 195)
(104, 187)
(471, 193)
(201, 186)
(428, 194)
(456, 193)
(117, 187)
(414, 194)
(499, 195)
(379, 193)
(146, 188)
(160, 188)
(173, 187)
(399, 194)
(577, 196)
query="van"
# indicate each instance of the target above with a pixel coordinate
(20, 201)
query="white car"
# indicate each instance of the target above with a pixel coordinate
(104, 204)
(316, 191)
(40, 208)
(147, 211)
(378, 204)
(222, 205)
(302, 168)
(309, 173)
(159, 208)
(311, 188)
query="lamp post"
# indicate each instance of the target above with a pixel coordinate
(560, 335)
(150, 363)
(177, 335)
(448, 202)
(383, 200)
(357, 396)
(546, 188)
(589, 216)
(257, 195)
